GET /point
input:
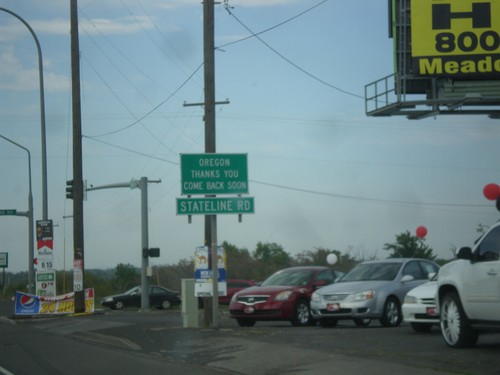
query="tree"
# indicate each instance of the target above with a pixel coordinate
(318, 257)
(239, 262)
(409, 246)
(126, 276)
(269, 257)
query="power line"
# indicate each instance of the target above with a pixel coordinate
(296, 66)
(315, 192)
(226, 5)
(153, 109)
(130, 150)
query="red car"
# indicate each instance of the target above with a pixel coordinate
(285, 295)
(234, 286)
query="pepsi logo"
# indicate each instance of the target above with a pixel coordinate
(28, 301)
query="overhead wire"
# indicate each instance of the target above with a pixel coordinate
(316, 192)
(226, 4)
(137, 121)
(296, 66)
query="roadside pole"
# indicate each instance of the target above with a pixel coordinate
(210, 142)
(78, 248)
(143, 185)
(145, 251)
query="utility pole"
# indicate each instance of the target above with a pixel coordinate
(78, 248)
(210, 145)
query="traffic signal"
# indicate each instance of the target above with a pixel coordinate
(69, 189)
(153, 252)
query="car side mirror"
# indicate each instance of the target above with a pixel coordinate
(464, 253)
(406, 278)
(431, 275)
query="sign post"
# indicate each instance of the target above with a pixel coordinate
(4, 263)
(211, 174)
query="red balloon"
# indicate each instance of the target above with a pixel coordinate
(421, 232)
(491, 191)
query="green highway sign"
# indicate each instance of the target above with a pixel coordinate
(8, 212)
(215, 206)
(4, 260)
(212, 174)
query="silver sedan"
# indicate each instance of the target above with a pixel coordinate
(372, 290)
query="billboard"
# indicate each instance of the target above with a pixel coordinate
(28, 304)
(456, 38)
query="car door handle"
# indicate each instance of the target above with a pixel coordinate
(492, 272)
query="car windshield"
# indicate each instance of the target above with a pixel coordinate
(373, 271)
(289, 278)
(134, 290)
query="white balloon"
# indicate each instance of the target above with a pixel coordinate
(331, 258)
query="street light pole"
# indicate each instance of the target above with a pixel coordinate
(42, 114)
(31, 248)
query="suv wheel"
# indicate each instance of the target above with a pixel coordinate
(302, 315)
(455, 326)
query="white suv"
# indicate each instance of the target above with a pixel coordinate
(469, 291)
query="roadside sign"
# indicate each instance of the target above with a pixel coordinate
(203, 276)
(45, 244)
(212, 174)
(4, 260)
(215, 206)
(8, 212)
(46, 283)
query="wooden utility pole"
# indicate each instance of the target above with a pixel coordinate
(210, 147)
(78, 253)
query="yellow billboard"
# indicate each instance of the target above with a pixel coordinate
(456, 38)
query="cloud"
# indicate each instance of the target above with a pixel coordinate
(122, 26)
(14, 76)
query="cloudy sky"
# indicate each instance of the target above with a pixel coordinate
(323, 174)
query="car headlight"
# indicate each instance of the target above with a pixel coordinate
(283, 296)
(362, 296)
(315, 297)
(410, 299)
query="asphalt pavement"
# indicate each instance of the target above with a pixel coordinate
(268, 348)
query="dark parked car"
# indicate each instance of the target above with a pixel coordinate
(285, 295)
(159, 297)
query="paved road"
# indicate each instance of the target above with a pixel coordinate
(275, 348)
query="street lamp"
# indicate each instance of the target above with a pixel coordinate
(42, 114)
(31, 249)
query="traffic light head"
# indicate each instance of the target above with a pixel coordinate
(69, 189)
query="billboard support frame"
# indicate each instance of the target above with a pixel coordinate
(408, 93)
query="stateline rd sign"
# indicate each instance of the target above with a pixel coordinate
(215, 206)
(213, 174)
(8, 212)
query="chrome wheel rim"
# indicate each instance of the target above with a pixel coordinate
(302, 313)
(392, 313)
(450, 321)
